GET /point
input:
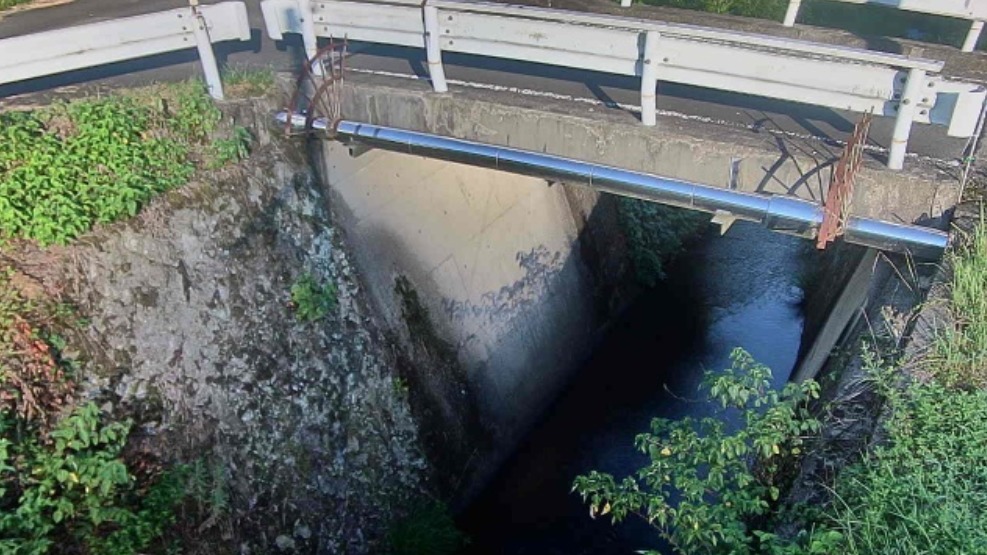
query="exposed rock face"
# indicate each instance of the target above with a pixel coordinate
(190, 305)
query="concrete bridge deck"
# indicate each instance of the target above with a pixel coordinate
(732, 157)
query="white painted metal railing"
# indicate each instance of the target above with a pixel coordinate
(975, 10)
(84, 46)
(818, 74)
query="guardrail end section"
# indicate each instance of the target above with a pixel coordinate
(243, 21)
(280, 17)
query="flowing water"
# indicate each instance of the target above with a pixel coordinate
(740, 290)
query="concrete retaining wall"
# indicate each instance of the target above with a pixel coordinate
(495, 261)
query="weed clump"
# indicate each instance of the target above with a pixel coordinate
(70, 166)
(311, 300)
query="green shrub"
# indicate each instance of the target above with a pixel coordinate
(72, 485)
(429, 530)
(70, 166)
(711, 489)
(312, 301)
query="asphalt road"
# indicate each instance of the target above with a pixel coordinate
(674, 100)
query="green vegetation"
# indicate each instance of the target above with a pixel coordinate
(242, 82)
(429, 530)
(709, 489)
(70, 166)
(864, 20)
(655, 235)
(925, 489)
(63, 478)
(5, 4)
(960, 358)
(922, 490)
(67, 480)
(233, 149)
(311, 300)
(71, 484)
(769, 9)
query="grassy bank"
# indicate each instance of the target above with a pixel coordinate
(69, 481)
(925, 489)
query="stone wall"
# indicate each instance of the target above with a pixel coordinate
(192, 330)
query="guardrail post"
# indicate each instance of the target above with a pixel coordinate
(970, 44)
(792, 13)
(206, 55)
(433, 51)
(309, 38)
(906, 116)
(649, 78)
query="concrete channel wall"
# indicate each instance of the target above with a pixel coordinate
(497, 264)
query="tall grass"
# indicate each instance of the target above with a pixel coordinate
(925, 489)
(961, 350)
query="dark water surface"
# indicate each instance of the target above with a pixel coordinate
(739, 290)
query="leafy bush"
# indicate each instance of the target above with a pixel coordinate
(710, 489)
(312, 301)
(72, 485)
(70, 166)
(429, 530)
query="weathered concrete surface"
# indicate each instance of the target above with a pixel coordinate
(846, 287)
(683, 149)
(495, 259)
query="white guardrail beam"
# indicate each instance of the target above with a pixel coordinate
(975, 10)
(94, 44)
(818, 74)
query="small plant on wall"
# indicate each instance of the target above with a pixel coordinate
(311, 300)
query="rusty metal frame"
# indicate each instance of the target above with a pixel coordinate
(322, 94)
(836, 209)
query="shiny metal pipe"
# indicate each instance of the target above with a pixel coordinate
(922, 242)
(784, 214)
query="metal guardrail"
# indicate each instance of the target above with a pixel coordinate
(975, 10)
(84, 46)
(819, 74)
